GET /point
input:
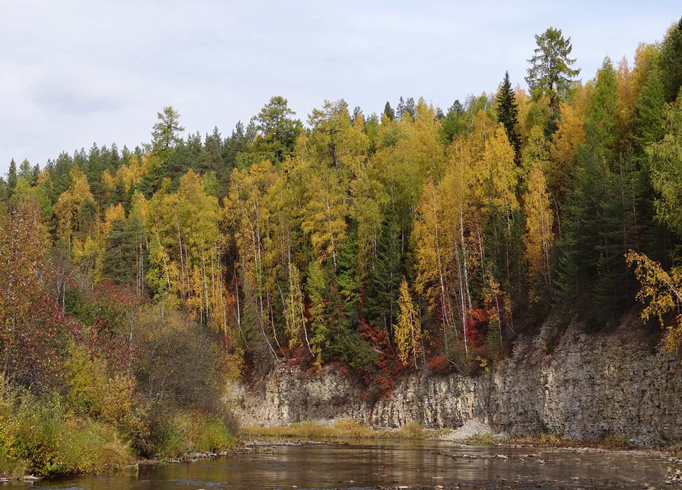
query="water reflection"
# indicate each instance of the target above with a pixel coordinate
(365, 465)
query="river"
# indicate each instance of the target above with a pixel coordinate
(389, 464)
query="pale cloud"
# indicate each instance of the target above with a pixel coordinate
(76, 72)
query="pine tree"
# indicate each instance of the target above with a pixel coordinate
(602, 222)
(276, 130)
(119, 254)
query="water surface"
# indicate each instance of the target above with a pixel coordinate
(389, 464)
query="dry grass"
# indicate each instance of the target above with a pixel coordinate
(342, 429)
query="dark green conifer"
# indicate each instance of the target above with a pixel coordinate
(649, 118)
(507, 114)
(12, 175)
(670, 62)
(389, 112)
(384, 280)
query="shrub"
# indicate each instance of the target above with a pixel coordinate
(189, 431)
(181, 362)
(11, 467)
(94, 391)
(412, 430)
(36, 435)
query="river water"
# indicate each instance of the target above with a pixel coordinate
(390, 464)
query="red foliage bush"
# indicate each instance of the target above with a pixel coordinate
(439, 365)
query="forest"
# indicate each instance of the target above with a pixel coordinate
(137, 283)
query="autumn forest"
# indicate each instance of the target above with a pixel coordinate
(137, 282)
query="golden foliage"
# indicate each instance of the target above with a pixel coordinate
(661, 293)
(538, 238)
(408, 330)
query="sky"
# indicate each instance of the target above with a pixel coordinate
(78, 72)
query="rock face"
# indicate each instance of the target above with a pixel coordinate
(589, 386)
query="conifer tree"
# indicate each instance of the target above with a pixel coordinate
(603, 112)
(507, 113)
(550, 73)
(649, 118)
(12, 175)
(389, 112)
(166, 132)
(384, 278)
(276, 129)
(670, 62)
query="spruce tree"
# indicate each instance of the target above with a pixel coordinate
(649, 117)
(389, 112)
(670, 62)
(507, 114)
(603, 111)
(12, 175)
(384, 280)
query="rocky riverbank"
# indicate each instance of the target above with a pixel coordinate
(577, 385)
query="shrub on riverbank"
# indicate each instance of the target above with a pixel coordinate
(188, 432)
(115, 397)
(45, 437)
(40, 436)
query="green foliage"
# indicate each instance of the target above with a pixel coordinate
(351, 348)
(94, 391)
(602, 223)
(550, 73)
(276, 131)
(602, 112)
(39, 436)
(384, 280)
(665, 160)
(186, 432)
(125, 251)
(670, 62)
(650, 111)
(389, 112)
(507, 114)
(12, 175)
(166, 132)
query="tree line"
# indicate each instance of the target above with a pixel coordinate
(413, 239)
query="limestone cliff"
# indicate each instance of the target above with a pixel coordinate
(588, 386)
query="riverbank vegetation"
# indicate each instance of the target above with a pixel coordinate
(137, 283)
(341, 429)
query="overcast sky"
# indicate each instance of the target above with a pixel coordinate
(78, 72)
